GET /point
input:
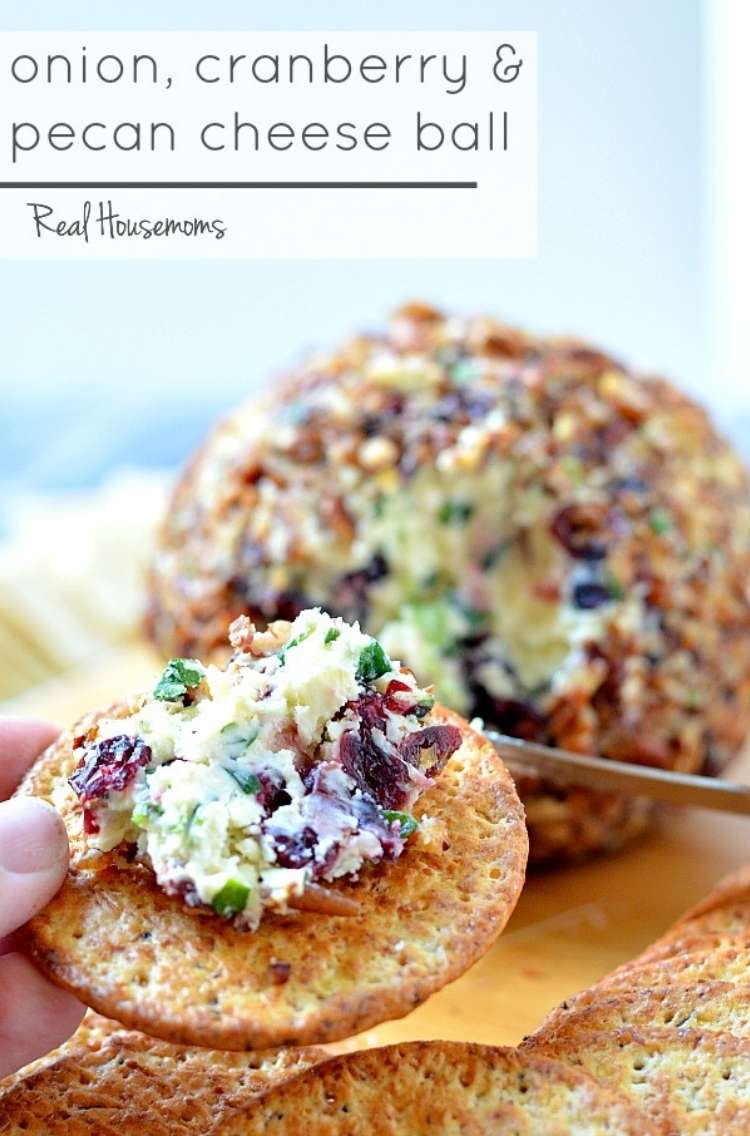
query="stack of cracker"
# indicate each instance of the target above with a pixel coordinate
(670, 1030)
(660, 1046)
(108, 1081)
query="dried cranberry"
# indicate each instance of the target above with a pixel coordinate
(295, 851)
(237, 585)
(352, 590)
(272, 794)
(508, 715)
(286, 605)
(322, 866)
(90, 823)
(385, 776)
(399, 705)
(266, 603)
(445, 740)
(517, 718)
(109, 766)
(581, 529)
(588, 596)
(370, 708)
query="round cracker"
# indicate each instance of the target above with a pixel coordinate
(709, 961)
(135, 954)
(713, 1007)
(689, 1082)
(110, 1081)
(423, 1088)
(689, 941)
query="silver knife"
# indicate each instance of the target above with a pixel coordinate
(532, 760)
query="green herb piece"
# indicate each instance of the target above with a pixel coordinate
(660, 522)
(373, 662)
(378, 508)
(189, 820)
(573, 467)
(475, 618)
(495, 555)
(431, 588)
(294, 643)
(464, 371)
(247, 781)
(332, 635)
(179, 676)
(238, 739)
(232, 898)
(455, 512)
(436, 623)
(408, 824)
(145, 812)
(188, 814)
(613, 586)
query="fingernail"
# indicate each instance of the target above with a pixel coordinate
(32, 836)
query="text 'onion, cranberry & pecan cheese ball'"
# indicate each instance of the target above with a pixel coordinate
(560, 546)
(299, 844)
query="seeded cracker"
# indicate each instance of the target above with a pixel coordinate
(109, 1081)
(425, 1088)
(392, 824)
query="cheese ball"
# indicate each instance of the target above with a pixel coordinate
(559, 545)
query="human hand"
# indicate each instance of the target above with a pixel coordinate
(35, 1016)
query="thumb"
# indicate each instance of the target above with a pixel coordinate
(33, 859)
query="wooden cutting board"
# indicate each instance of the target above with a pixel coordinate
(571, 926)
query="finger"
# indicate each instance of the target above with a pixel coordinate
(33, 859)
(21, 741)
(35, 1016)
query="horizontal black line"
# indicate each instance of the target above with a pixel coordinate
(239, 185)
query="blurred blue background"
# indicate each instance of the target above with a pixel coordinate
(110, 363)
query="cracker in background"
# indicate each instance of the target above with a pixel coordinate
(450, 1088)
(711, 1007)
(726, 962)
(108, 1081)
(690, 1083)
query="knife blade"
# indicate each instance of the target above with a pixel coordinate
(533, 760)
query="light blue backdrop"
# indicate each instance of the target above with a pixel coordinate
(103, 363)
